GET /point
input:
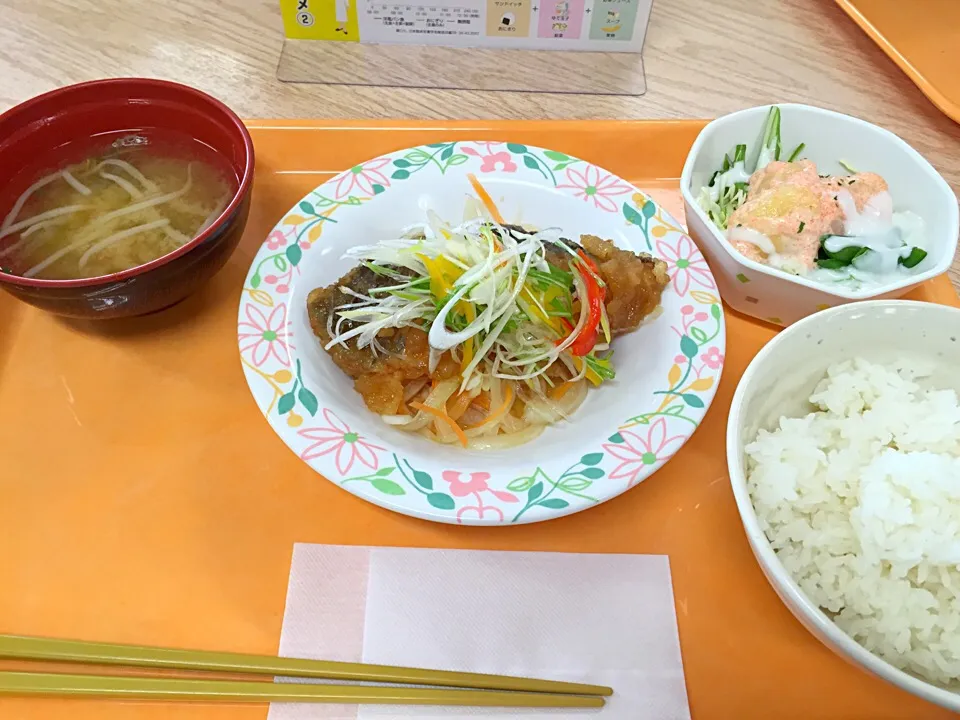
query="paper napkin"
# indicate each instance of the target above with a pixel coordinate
(600, 619)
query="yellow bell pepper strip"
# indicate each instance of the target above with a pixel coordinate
(471, 313)
(542, 293)
(443, 274)
(605, 323)
(533, 307)
(590, 375)
(559, 300)
(601, 367)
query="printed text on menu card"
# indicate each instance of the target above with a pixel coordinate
(596, 25)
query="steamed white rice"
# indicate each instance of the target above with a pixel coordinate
(861, 502)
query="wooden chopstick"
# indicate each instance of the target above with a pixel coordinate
(78, 651)
(138, 688)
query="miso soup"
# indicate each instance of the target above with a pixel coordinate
(120, 205)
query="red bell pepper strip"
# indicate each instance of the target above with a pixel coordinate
(595, 297)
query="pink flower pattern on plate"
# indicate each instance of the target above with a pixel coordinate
(713, 358)
(461, 488)
(263, 337)
(476, 485)
(636, 453)
(276, 240)
(499, 161)
(685, 263)
(596, 185)
(364, 177)
(491, 161)
(336, 437)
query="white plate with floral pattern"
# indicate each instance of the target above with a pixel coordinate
(667, 371)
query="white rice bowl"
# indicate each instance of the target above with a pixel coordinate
(860, 500)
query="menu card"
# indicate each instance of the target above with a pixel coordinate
(591, 25)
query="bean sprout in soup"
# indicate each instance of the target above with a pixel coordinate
(120, 206)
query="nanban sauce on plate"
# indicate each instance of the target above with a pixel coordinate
(111, 204)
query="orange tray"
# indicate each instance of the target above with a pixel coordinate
(145, 499)
(922, 38)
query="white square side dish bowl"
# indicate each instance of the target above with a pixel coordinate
(779, 297)
(779, 381)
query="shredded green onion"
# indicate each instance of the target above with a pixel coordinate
(728, 187)
(485, 292)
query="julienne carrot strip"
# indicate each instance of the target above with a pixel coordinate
(486, 199)
(498, 413)
(459, 406)
(561, 390)
(441, 415)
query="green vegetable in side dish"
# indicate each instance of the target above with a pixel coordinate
(915, 257)
(770, 141)
(845, 256)
(840, 258)
(728, 186)
(796, 153)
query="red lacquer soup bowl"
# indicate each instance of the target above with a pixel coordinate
(32, 136)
